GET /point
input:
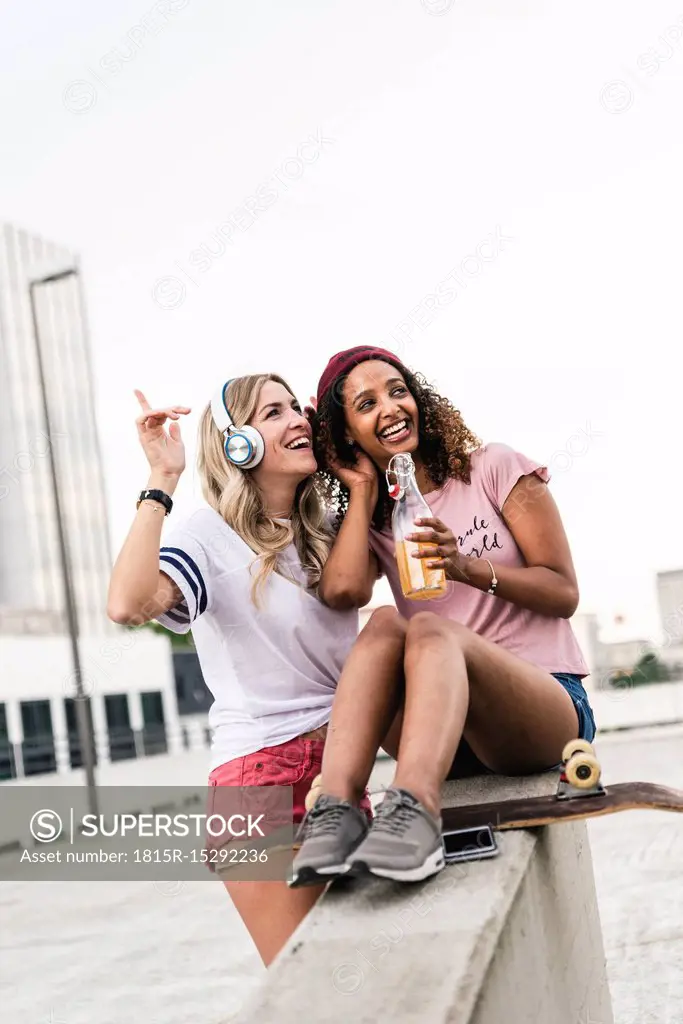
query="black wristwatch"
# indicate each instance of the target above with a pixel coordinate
(160, 496)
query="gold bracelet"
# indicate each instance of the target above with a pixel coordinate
(151, 503)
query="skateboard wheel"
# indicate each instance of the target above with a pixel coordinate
(576, 747)
(583, 771)
(314, 792)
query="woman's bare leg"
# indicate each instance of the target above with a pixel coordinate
(369, 694)
(272, 911)
(515, 716)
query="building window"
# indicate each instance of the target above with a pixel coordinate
(75, 753)
(7, 769)
(192, 693)
(153, 723)
(38, 747)
(121, 736)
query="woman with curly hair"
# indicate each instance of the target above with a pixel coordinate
(492, 674)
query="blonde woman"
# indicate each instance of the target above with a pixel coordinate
(242, 573)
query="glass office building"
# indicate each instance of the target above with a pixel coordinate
(31, 589)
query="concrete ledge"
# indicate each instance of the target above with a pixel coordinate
(515, 938)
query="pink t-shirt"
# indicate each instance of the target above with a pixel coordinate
(473, 513)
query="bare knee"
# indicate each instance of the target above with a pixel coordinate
(427, 629)
(385, 621)
(426, 625)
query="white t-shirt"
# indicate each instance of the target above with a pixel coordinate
(272, 672)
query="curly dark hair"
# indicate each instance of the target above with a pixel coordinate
(445, 443)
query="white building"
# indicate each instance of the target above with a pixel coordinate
(624, 655)
(128, 676)
(670, 599)
(586, 630)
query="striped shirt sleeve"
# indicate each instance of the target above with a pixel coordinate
(184, 561)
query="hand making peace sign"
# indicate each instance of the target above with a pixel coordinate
(165, 451)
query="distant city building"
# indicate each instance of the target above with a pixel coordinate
(585, 627)
(670, 598)
(128, 675)
(30, 574)
(624, 655)
(672, 656)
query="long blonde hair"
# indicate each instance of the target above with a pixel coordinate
(232, 493)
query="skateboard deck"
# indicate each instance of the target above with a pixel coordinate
(580, 794)
(528, 812)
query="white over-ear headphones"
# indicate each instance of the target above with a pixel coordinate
(243, 446)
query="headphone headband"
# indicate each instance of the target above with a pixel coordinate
(243, 446)
(219, 409)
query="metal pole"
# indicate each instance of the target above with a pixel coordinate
(83, 719)
(93, 423)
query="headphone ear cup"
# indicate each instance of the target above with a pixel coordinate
(244, 447)
(257, 443)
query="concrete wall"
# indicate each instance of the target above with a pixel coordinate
(655, 704)
(516, 938)
(549, 963)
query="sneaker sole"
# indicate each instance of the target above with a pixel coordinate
(318, 876)
(434, 863)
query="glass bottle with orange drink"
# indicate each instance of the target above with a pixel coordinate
(418, 583)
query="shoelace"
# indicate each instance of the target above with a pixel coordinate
(393, 816)
(322, 820)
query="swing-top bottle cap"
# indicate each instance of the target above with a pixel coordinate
(402, 466)
(402, 463)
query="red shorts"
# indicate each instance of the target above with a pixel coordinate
(294, 763)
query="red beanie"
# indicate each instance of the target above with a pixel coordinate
(344, 362)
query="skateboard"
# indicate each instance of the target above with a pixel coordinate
(469, 831)
(580, 794)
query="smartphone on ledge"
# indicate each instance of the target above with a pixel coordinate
(470, 844)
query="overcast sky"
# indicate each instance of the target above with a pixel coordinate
(523, 162)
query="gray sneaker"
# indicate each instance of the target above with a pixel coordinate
(329, 834)
(404, 841)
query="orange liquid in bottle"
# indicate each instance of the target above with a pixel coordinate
(418, 583)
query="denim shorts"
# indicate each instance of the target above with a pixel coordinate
(466, 763)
